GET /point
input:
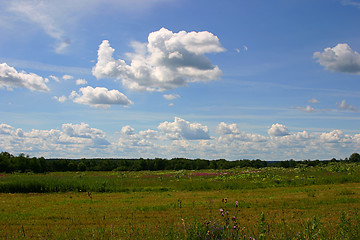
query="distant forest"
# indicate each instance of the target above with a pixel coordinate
(24, 163)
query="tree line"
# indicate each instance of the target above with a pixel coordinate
(24, 163)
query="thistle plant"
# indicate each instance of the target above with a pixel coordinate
(224, 225)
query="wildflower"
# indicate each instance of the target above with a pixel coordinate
(233, 218)
(221, 210)
(227, 213)
(236, 204)
(225, 200)
(235, 227)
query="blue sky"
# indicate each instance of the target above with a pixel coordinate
(272, 80)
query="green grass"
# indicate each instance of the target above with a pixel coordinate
(273, 203)
(163, 181)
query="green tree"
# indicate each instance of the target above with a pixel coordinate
(355, 157)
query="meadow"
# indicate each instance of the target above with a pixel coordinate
(320, 202)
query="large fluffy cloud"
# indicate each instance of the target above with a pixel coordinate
(231, 132)
(73, 140)
(278, 130)
(340, 58)
(6, 129)
(10, 78)
(169, 60)
(182, 129)
(99, 97)
(82, 130)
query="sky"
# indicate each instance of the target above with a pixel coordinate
(248, 79)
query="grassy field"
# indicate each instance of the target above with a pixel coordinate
(269, 203)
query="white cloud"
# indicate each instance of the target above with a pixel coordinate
(169, 60)
(333, 136)
(224, 128)
(10, 78)
(99, 97)
(82, 130)
(345, 107)
(130, 140)
(150, 134)
(60, 99)
(340, 58)
(127, 130)
(306, 109)
(171, 96)
(81, 140)
(67, 77)
(231, 132)
(278, 130)
(76, 139)
(6, 129)
(81, 81)
(56, 79)
(181, 129)
(314, 100)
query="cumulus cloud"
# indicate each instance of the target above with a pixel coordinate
(169, 60)
(74, 139)
(60, 99)
(346, 107)
(6, 129)
(231, 132)
(99, 97)
(224, 129)
(182, 129)
(81, 81)
(340, 58)
(171, 96)
(127, 130)
(82, 130)
(171, 140)
(130, 140)
(278, 130)
(335, 136)
(10, 78)
(67, 77)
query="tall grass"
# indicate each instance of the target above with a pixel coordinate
(268, 213)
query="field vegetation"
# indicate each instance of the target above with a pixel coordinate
(298, 201)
